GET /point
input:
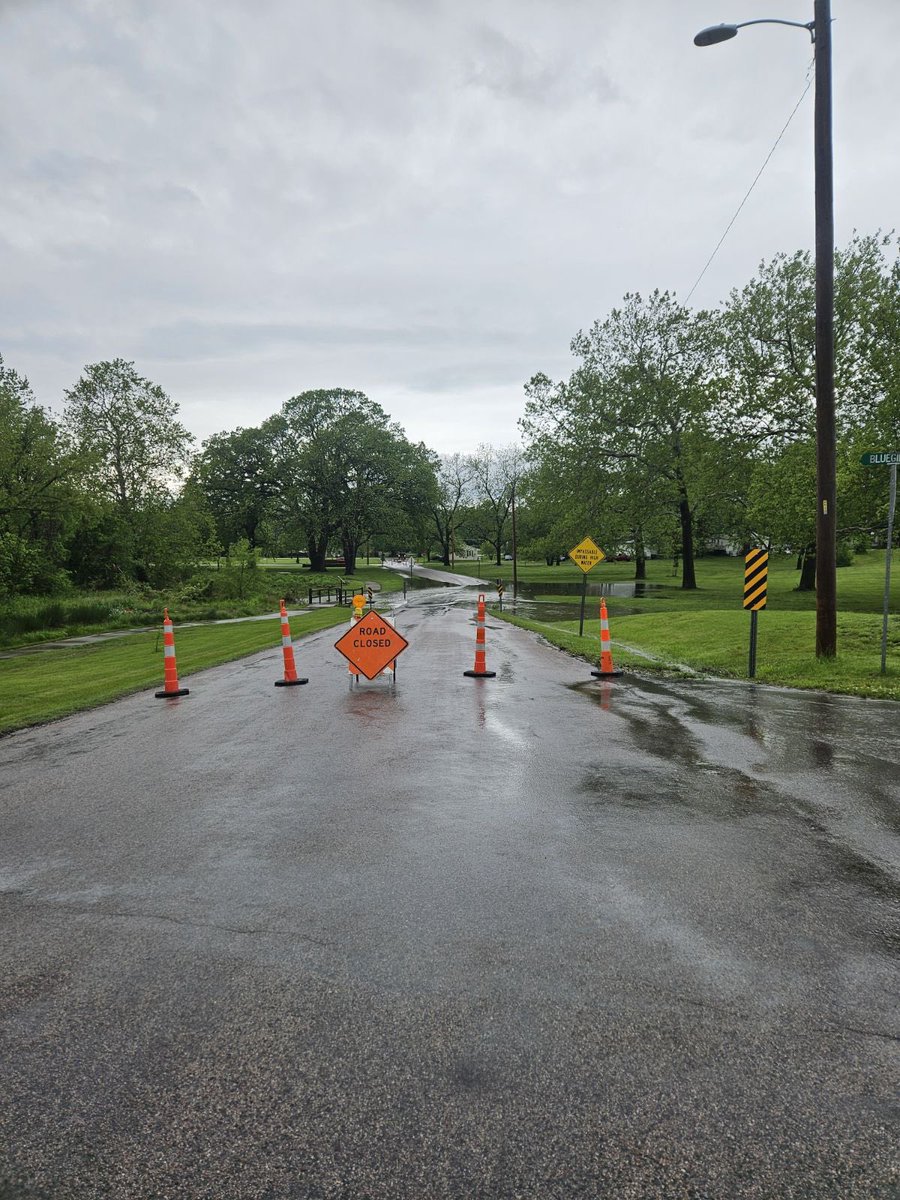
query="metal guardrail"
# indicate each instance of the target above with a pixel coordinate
(338, 593)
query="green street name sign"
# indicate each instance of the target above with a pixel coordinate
(881, 458)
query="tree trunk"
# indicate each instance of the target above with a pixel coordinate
(640, 558)
(808, 570)
(349, 549)
(688, 576)
(316, 548)
(444, 533)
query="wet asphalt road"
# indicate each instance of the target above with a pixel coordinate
(533, 936)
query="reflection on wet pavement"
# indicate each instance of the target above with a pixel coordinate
(538, 935)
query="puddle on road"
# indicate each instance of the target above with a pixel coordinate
(418, 585)
(527, 600)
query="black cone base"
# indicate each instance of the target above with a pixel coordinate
(290, 682)
(480, 674)
(606, 674)
(169, 695)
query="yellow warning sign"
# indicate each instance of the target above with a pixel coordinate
(586, 555)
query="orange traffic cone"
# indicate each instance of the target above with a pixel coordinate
(170, 681)
(606, 660)
(287, 649)
(479, 671)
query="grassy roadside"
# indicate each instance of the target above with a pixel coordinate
(47, 684)
(707, 631)
(716, 643)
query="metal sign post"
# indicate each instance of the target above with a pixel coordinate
(751, 667)
(756, 578)
(890, 458)
(892, 504)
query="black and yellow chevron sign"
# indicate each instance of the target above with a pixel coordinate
(756, 578)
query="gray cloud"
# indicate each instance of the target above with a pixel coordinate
(421, 199)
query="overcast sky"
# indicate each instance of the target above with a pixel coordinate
(421, 199)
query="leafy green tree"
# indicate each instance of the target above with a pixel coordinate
(343, 471)
(37, 499)
(134, 453)
(408, 520)
(174, 533)
(495, 472)
(639, 420)
(126, 427)
(454, 491)
(583, 490)
(778, 509)
(768, 353)
(20, 565)
(384, 475)
(310, 484)
(236, 474)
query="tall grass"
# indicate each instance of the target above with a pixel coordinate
(208, 595)
(32, 614)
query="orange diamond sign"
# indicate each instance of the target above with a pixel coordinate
(371, 644)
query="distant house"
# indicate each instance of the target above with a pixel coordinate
(625, 552)
(722, 545)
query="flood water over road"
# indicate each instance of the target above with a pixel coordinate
(533, 936)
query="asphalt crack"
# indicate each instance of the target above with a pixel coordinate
(242, 930)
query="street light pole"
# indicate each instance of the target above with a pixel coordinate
(826, 441)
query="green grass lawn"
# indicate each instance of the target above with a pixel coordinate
(362, 571)
(720, 580)
(46, 684)
(707, 630)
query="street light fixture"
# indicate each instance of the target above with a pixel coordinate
(819, 30)
(714, 34)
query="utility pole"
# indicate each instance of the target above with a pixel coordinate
(819, 30)
(515, 551)
(826, 447)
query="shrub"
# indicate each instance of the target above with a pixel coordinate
(20, 563)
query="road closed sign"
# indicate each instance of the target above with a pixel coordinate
(371, 644)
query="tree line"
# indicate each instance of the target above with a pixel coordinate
(679, 425)
(114, 491)
(676, 427)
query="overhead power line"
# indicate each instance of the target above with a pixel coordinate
(809, 79)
